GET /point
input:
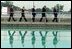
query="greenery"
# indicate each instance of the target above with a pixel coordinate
(9, 4)
(58, 6)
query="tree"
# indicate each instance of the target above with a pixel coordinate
(38, 10)
(8, 3)
(59, 7)
(48, 10)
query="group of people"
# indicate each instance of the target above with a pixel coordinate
(55, 12)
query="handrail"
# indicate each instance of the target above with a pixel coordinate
(40, 12)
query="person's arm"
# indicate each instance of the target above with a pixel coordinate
(53, 33)
(40, 33)
(25, 33)
(20, 33)
(12, 10)
(8, 10)
(9, 32)
(46, 33)
(32, 32)
(56, 33)
(13, 33)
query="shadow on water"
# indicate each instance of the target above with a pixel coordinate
(33, 39)
(11, 37)
(43, 38)
(55, 40)
(22, 37)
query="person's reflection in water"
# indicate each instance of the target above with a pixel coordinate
(43, 39)
(33, 39)
(11, 37)
(55, 40)
(22, 37)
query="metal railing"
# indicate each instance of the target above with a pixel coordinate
(19, 13)
(40, 12)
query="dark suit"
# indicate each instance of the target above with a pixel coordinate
(43, 14)
(11, 14)
(55, 15)
(33, 10)
(23, 15)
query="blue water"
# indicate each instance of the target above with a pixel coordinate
(36, 39)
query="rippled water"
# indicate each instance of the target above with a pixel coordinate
(35, 39)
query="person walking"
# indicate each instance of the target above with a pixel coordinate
(55, 12)
(33, 13)
(11, 14)
(23, 14)
(43, 14)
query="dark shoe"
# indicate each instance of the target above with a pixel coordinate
(46, 20)
(52, 20)
(25, 21)
(14, 20)
(41, 19)
(33, 21)
(8, 20)
(19, 21)
(56, 21)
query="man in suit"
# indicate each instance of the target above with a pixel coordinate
(43, 14)
(55, 12)
(33, 13)
(23, 14)
(11, 14)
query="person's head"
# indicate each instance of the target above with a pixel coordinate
(44, 6)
